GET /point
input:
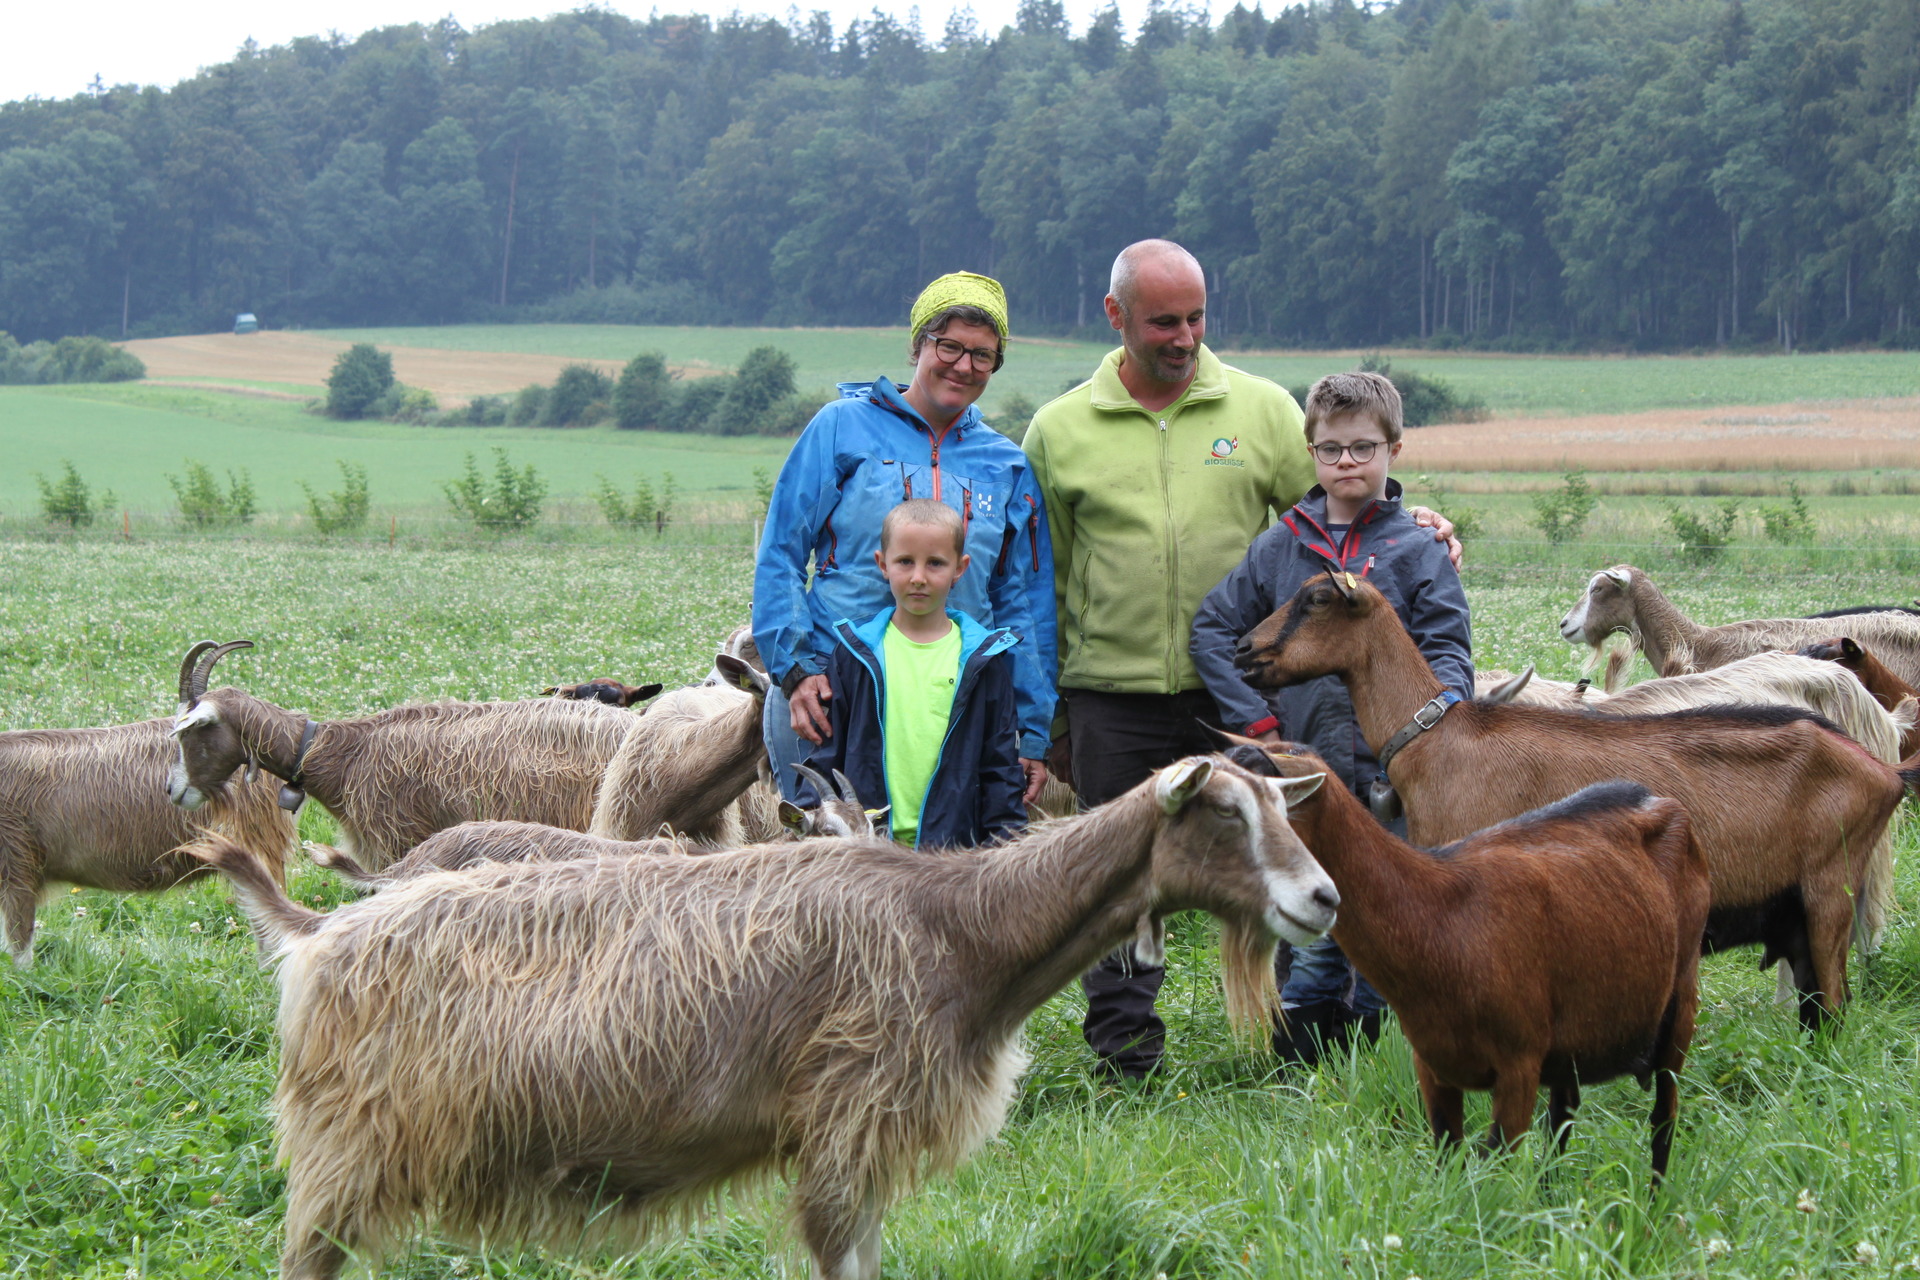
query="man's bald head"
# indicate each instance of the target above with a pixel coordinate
(1151, 262)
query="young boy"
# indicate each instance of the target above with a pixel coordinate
(924, 721)
(1352, 518)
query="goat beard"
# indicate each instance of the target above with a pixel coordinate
(1619, 648)
(1246, 979)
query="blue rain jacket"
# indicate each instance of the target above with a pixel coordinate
(975, 792)
(861, 456)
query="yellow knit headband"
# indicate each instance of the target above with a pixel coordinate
(960, 289)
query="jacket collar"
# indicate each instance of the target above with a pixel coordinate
(974, 638)
(1315, 503)
(883, 393)
(1109, 393)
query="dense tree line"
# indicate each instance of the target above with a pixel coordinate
(1527, 172)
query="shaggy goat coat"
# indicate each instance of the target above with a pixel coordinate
(89, 807)
(571, 1052)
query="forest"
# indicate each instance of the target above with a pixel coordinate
(1516, 174)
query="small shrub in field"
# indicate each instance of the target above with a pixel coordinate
(361, 375)
(1012, 417)
(640, 396)
(345, 508)
(578, 396)
(68, 360)
(755, 396)
(762, 490)
(402, 403)
(512, 502)
(1790, 523)
(1560, 515)
(1703, 538)
(643, 509)
(1426, 400)
(528, 405)
(694, 402)
(481, 411)
(69, 500)
(201, 502)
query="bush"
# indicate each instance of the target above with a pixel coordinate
(481, 411)
(1425, 400)
(68, 360)
(69, 501)
(361, 376)
(578, 397)
(513, 502)
(640, 396)
(1013, 415)
(201, 503)
(762, 490)
(755, 396)
(1560, 515)
(403, 403)
(345, 508)
(528, 406)
(1791, 523)
(646, 508)
(1702, 540)
(694, 402)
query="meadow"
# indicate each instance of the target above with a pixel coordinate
(137, 1056)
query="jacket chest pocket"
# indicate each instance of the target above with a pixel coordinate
(981, 517)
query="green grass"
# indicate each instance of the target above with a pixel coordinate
(128, 437)
(137, 1057)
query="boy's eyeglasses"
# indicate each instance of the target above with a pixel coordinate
(985, 359)
(1362, 451)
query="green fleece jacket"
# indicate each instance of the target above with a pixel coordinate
(1148, 511)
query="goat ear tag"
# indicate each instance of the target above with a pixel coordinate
(1351, 584)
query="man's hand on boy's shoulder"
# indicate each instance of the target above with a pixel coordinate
(1427, 518)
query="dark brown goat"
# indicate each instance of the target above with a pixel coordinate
(1787, 810)
(1887, 689)
(604, 689)
(1561, 947)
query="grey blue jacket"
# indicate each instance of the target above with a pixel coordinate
(974, 795)
(862, 455)
(1410, 569)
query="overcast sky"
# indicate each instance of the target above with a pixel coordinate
(54, 50)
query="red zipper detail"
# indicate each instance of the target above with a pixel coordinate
(1033, 533)
(833, 543)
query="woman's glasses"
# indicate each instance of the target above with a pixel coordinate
(985, 359)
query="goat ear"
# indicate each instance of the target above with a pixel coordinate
(1509, 689)
(1849, 649)
(793, 817)
(1178, 783)
(644, 692)
(194, 716)
(1294, 790)
(1620, 573)
(740, 675)
(1150, 940)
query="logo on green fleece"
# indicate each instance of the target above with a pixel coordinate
(1223, 453)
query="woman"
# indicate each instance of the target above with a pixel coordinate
(875, 447)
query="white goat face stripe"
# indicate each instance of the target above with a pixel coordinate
(200, 713)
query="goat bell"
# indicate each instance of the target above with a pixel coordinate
(1384, 800)
(291, 797)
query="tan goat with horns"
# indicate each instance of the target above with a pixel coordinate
(574, 1052)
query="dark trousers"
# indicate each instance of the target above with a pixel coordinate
(1118, 739)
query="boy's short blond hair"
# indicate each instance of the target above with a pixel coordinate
(928, 513)
(1342, 393)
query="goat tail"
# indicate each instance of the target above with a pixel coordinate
(342, 864)
(277, 920)
(1246, 979)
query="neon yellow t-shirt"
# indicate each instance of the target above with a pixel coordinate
(920, 686)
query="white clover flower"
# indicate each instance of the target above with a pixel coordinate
(79, 913)
(1805, 1202)
(1865, 1253)
(1718, 1248)
(1391, 1242)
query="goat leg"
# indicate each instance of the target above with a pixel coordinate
(1514, 1090)
(20, 886)
(1446, 1106)
(311, 1254)
(840, 1224)
(1562, 1101)
(1823, 984)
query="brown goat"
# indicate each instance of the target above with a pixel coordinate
(711, 736)
(1888, 689)
(89, 807)
(604, 689)
(1788, 811)
(1624, 599)
(1560, 947)
(577, 1052)
(393, 778)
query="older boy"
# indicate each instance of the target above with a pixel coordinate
(924, 718)
(1352, 518)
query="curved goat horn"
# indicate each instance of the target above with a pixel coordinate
(845, 786)
(199, 686)
(186, 669)
(819, 783)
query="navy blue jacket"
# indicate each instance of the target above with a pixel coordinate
(1410, 569)
(974, 795)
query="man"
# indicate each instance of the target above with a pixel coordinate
(1157, 474)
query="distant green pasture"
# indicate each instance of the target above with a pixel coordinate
(128, 437)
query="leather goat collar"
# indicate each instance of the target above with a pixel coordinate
(294, 793)
(1424, 719)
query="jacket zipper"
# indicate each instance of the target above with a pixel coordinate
(1173, 554)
